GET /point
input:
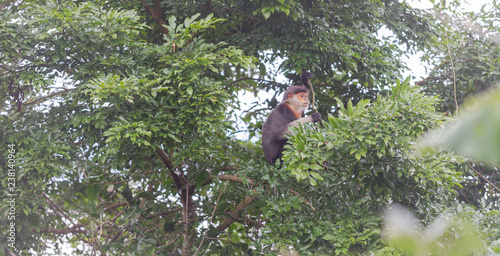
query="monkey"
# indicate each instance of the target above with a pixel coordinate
(290, 112)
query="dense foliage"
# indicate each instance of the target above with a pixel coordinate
(464, 62)
(365, 159)
(117, 126)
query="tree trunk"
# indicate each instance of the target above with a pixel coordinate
(188, 213)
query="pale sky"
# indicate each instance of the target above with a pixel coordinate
(468, 5)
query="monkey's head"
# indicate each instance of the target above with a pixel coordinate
(294, 90)
(297, 97)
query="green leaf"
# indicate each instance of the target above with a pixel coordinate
(360, 137)
(349, 108)
(312, 182)
(358, 155)
(477, 132)
(92, 189)
(316, 175)
(340, 104)
(171, 22)
(266, 13)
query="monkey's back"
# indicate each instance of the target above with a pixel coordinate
(273, 132)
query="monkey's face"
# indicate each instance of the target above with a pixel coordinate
(298, 101)
(303, 98)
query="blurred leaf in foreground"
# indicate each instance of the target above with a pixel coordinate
(446, 235)
(476, 132)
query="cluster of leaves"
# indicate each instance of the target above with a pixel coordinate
(365, 159)
(380, 136)
(176, 102)
(475, 133)
(448, 235)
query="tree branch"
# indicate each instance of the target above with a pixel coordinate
(426, 80)
(114, 205)
(166, 160)
(50, 202)
(156, 14)
(7, 251)
(211, 219)
(301, 197)
(227, 178)
(484, 178)
(163, 213)
(236, 212)
(64, 91)
(72, 230)
(250, 78)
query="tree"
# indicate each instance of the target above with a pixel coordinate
(465, 64)
(118, 117)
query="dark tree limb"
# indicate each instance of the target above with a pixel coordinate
(163, 213)
(301, 197)
(7, 251)
(186, 193)
(166, 160)
(255, 79)
(64, 91)
(156, 14)
(236, 212)
(485, 179)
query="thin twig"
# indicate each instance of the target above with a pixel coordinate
(71, 230)
(58, 208)
(186, 226)
(454, 76)
(163, 213)
(443, 2)
(250, 78)
(232, 178)
(301, 197)
(426, 80)
(484, 178)
(211, 219)
(156, 253)
(65, 90)
(114, 218)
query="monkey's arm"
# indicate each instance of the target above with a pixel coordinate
(315, 117)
